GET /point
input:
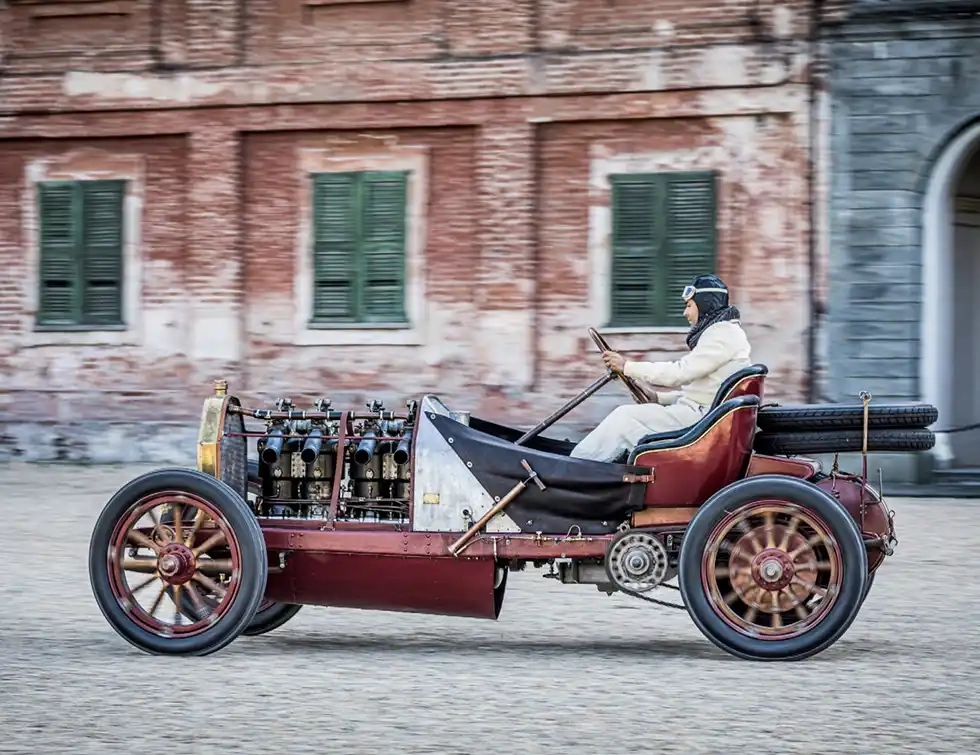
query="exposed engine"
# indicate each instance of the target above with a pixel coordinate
(303, 454)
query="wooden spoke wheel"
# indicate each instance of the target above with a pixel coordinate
(773, 568)
(165, 543)
(268, 616)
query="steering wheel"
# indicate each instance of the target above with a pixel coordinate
(638, 394)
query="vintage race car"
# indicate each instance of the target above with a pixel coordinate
(430, 509)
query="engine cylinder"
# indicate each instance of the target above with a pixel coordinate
(402, 484)
(367, 477)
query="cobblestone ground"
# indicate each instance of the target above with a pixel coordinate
(564, 670)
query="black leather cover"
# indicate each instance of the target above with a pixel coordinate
(579, 492)
(511, 434)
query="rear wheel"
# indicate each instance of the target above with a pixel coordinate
(773, 568)
(144, 571)
(270, 616)
(867, 587)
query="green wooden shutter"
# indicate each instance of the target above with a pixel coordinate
(636, 241)
(382, 261)
(663, 236)
(81, 253)
(335, 226)
(102, 252)
(359, 246)
(58, 275)
(690, 235)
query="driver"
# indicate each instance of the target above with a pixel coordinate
(719, 348)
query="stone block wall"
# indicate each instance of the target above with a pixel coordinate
(902, 81)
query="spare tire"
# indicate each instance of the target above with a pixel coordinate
(798, 417)
(843, 441)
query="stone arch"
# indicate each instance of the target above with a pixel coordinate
(935, 335)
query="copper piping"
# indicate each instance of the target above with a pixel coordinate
(456, 547)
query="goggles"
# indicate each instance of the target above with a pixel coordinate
(690, 291)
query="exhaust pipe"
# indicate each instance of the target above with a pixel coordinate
(365, 449)
(311, 448)
(403, 448)
(273, 446)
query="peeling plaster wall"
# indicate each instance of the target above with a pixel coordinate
(218, 117)
(138, 373)
(761, 235)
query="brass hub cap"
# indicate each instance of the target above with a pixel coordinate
(771, 571)
(636, 563)
(169, 565)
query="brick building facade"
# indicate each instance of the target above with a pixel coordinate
(374, 199)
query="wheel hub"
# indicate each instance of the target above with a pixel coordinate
(636, 563)
(772, 569)
(176, 564)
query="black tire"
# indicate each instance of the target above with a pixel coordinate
(271, 617)
(266, 618)
(845, 417)
(240, 521)
(842, 441)
(808, 498)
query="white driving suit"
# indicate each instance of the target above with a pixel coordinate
(722, 350)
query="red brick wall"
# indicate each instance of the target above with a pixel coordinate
(272, 210)
(70, 380)
(508, 138)
(759, 231)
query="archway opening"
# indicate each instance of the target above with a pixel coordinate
(950, 336)
(965, 397)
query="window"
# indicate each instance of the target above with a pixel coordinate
(81, 246)
(663, 234)
(359, 247)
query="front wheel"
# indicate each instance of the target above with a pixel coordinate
(210, 543)
(773, 568)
